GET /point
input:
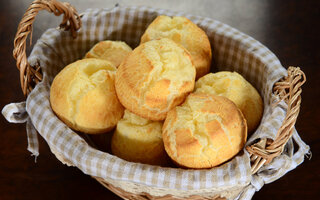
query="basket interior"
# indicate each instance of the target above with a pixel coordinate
(232, 51)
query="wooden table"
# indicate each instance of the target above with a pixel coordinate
(290, 29)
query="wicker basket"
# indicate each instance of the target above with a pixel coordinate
(262, 150)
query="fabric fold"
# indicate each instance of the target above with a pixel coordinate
(16, 113)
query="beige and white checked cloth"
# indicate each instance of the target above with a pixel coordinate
(232, 51)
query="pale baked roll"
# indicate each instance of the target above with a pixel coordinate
(139, 140)
(154, 78)
(205, 131)
(83, 96)
(113, 51)
(233, 86)
(186, 33)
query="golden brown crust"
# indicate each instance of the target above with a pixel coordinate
(83, 96)
(186, 33)
(112, 51)
(205, 131)
(233, 86)
(155, 77)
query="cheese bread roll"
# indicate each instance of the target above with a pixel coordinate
(83, 96)
(205, 131)
(186, 33)
(139, 140)
(154, 78)
(112, 51)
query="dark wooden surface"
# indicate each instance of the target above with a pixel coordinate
(289, 28)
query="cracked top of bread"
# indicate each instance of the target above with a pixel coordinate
(205, 131)
(184, 32)
(83, 96)
(112, 51)
(233, 86)
(154, 78)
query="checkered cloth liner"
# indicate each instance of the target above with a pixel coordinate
(232, 51)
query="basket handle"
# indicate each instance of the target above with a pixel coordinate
(31, 75)
(289, 90)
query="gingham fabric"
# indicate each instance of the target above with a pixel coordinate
(232, 51)
(16, 113)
